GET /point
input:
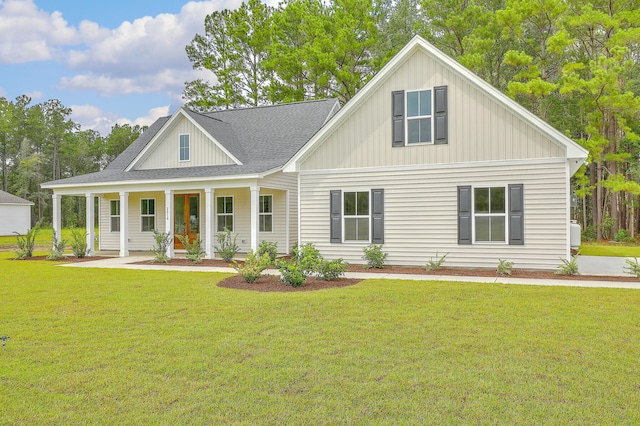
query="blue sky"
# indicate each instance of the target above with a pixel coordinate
(110, 61)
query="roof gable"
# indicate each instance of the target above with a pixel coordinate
(211, 144)
(6, 198)
(368, 115)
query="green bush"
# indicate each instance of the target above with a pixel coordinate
(57, 248)
(309, 258)
(435, 264)
(27, 242)
(590, 233)
(79, 246)
(253, 266)
(633, 267)
(269, 248)
(374, 256)
(330, 270)
(195, 251)
(622, 236)
(292, 273)
(227, 247)
(504, 267)
(161, 245)
(568, 267)
(607, 226)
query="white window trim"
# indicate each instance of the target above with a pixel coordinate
(474, 214)
(232, 214)
(417, 117)
(344, 217)
(112, 216)
(148, 215)
(265, 214)
(188, 148)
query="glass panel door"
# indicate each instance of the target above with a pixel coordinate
(187, 217)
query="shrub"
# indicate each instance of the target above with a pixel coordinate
(292, 273)
(195, 251)
(633, 267)
(435, 264)
(79, 243)
(269, 248)
(589, 233)
(504, 267)
(57, 250)
(227, 247)
(27, 242)
(330, 270)
(621, 235)
(607, 226)
(568, 267)
(309, 257)
(374, 256)
(161, 246)
(253, 266)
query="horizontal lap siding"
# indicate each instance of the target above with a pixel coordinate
(282, 182)
(421, 215)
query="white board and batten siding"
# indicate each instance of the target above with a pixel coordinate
(480, 128)
(165, 153)
(420, 214)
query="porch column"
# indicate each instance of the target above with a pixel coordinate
(124, 224)
(209, 193)
(168, 219)
(91, 231)
(287, 232)
(56, 216)
(255, 200)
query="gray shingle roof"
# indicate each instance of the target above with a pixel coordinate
(6, 198)
(261, 138)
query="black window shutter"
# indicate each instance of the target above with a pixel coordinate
(336, 216)
(464, 215)
(516, 215)
(440, 115)
(397, 116)
(377, 216)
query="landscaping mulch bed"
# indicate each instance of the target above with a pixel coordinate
(272, 283)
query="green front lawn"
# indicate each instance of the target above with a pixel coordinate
(610, 249)
(95, 346)
(43, 239)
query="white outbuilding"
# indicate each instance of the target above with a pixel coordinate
(15, 214)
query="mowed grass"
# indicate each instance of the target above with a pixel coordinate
(44, 238)
(610, 249)
(94, 346)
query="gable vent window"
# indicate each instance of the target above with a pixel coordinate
(419, 117)
(184, 148)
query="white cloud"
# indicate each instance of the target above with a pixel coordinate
(35, 95)
(92, 117)
(28, 34)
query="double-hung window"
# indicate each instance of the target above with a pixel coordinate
(266, 213)
(356, 216)
(185, 154)
(419, 129)
(225, 213)
(114, 215)
(148, 214)
(490, 215)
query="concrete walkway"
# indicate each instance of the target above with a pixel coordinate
(590, 265)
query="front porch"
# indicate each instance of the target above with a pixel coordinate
(127, 218)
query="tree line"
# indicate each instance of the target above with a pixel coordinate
(40, 143)
(574, 64)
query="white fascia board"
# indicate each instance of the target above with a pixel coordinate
(18, 204)
(573, 150)
(69, 189)
(180, 112)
